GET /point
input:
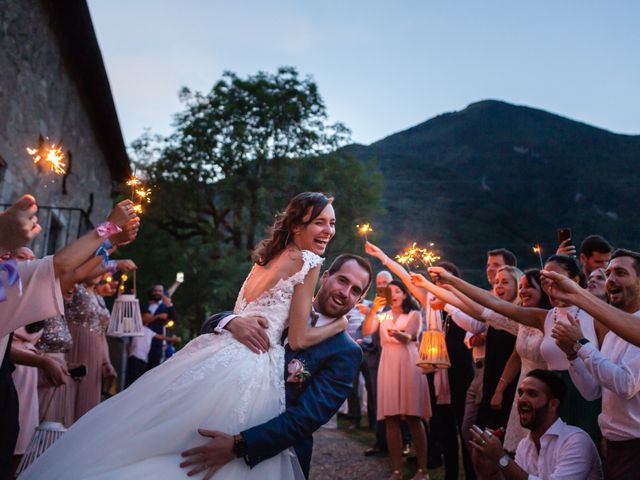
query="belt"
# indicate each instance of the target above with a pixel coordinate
(479, 363)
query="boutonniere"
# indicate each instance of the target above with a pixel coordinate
(297, 370)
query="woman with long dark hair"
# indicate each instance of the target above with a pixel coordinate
(215, 382)
(403, 391)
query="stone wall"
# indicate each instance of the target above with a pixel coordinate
(39, 97)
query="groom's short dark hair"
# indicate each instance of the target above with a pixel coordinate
(344, 258)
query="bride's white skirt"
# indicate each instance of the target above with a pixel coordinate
(213, 383)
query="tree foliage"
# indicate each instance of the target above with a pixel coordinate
(237, 155)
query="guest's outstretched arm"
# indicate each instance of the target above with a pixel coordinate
(625, 325)
(532, 317)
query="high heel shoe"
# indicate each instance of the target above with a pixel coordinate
(396, 475)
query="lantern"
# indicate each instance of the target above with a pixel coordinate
(126, 319)
(45, 435)
(433, 347)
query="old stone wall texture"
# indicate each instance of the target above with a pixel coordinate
(38, 97)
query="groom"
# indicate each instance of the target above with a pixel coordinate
(318, 380)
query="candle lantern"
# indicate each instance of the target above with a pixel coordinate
(433, 352)
(126, 319)
(45, 435)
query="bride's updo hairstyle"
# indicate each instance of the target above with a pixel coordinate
(301, 211)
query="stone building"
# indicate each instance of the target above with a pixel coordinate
(54, 89)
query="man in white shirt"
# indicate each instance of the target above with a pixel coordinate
(612, 373)
(553, 450)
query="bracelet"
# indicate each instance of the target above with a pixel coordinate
(111, 266)
(106, 229)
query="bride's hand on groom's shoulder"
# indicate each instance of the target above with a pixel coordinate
(251, 332)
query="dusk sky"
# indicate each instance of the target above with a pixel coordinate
(381, 66)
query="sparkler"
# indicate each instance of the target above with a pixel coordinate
(53, 156)
(364, 229)
(140, 191)
(413, 254)
(538, 249)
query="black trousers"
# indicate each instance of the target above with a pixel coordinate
(623, 460)
(135, 369)
(9, 426)
(354, 398)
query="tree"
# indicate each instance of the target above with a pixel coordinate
(238, 154)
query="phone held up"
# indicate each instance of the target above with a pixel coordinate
(384, 292)
(563, 234)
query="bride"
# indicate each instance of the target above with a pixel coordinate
(214, 382)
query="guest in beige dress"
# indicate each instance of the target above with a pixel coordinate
(88, 319)
(403, 391)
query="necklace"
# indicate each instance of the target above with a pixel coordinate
(555, 315)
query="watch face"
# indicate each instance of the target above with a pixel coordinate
(504, 461)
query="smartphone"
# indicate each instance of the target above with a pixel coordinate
(384, 292)
(78, 372)
(180, 277)
(563, 234)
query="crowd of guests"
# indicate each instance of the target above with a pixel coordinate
(545, 367)
(53, 344)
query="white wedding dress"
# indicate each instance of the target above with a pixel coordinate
(214, 382)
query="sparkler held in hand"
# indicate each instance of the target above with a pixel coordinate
(538, 249)
(413, 253)
(364, 229)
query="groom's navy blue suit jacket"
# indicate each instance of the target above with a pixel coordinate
(332, 365)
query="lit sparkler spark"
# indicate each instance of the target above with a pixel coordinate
(538, 249)
(414, 254)
(144, 194)
(137, 208)
(133, 181)
(53, 156)
(364, 229)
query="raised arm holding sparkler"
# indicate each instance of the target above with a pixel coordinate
(420, 291)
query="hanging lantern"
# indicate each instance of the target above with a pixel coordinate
(45, 435)
(433, 347)
(126, 319)
(433, 351)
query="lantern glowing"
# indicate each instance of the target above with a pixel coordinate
(433, 351)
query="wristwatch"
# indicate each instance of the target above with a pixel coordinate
(239, 446)
(579, 343)
(504, 461)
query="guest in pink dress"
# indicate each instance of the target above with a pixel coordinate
(25, 378)
(88, 319)
(403, 391)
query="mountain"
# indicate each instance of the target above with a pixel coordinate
(500, 175)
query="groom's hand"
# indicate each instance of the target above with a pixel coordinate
(211, 456)
(251, 332)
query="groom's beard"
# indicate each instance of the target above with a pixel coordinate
(326, 305)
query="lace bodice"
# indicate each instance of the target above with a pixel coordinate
(274, 304)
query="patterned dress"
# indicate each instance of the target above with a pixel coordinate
(88, 319)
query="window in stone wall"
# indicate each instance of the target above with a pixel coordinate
(55, 234)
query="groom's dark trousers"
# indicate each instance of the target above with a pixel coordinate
(332, 365)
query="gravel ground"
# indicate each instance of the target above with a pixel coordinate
(338, 456)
